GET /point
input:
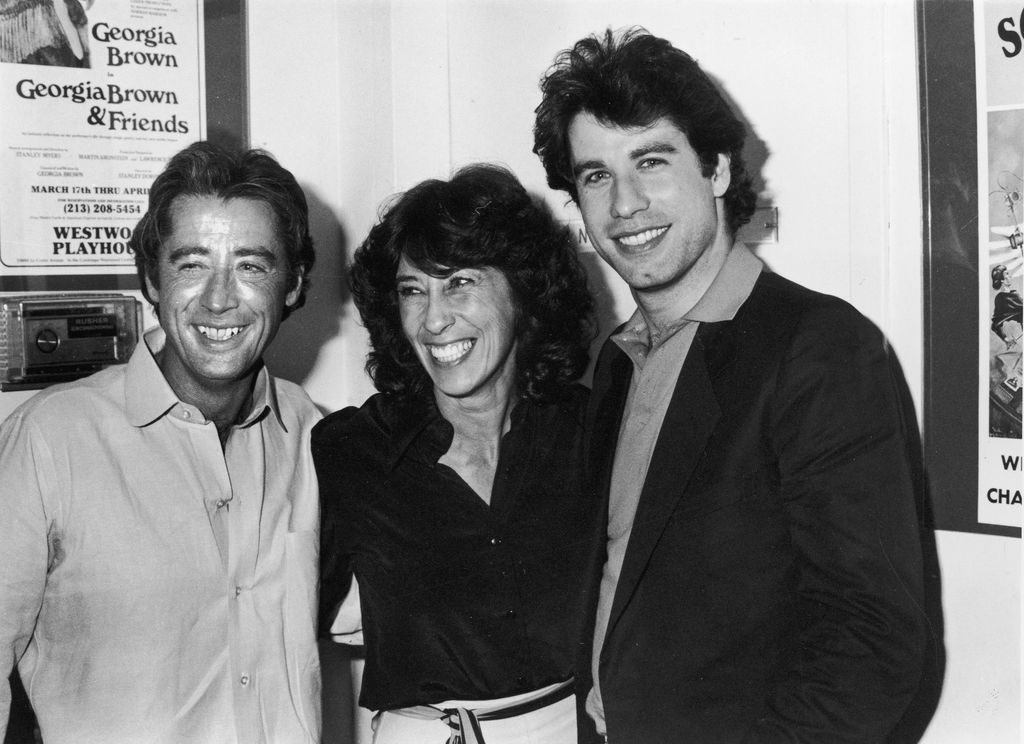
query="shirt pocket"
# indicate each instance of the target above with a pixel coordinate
(301, 558)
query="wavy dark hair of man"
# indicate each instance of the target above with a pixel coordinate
(206, 169)
(631, 80)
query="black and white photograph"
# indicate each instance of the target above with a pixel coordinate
(511, 371)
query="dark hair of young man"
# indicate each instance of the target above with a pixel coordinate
(632, 80)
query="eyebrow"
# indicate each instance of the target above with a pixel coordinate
(648, 148)
(244, 252)
(258, 251)
(653, 148)
(578, 168)
(185, 251)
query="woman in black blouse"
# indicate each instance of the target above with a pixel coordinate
(455, 495)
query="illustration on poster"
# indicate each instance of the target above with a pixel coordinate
(1005, 366)
(45, 32)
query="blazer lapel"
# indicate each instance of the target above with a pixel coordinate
(611, 385)
(691, 417)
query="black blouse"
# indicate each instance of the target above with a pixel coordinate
(460, 600)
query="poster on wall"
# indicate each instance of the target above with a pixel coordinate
(999, 48)
(971, 57)
(95, 96)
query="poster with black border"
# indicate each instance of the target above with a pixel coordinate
(999, 30)
(957, 263)
(95, 96)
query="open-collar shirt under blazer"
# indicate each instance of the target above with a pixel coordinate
(656, 368)
(155, 587)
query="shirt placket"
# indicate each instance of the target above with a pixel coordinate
(513, 464)
(216, 492)
(223, 510)
(245, 469)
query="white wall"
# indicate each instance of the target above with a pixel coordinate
(363, 98)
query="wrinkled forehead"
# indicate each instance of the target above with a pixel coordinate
(210, 222)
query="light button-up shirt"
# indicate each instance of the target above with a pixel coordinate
(155, 587)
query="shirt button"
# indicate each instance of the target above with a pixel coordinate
(495, 541)
(186, 414)
(238, 590)
(244, 680)
(510, 613)
(221, 503)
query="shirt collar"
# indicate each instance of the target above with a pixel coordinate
(418, 421)
(148, 395)
(264, 399)
(418, 428)
(722, 299)
(730, 288)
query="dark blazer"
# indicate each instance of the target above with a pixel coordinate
(772, 586)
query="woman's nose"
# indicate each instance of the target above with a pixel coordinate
(439, 314)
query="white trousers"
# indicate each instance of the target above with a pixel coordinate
(552, 724)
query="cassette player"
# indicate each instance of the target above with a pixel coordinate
(48, 338)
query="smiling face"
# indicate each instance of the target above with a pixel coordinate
(223, 286)
(650, 211)
(462, 328)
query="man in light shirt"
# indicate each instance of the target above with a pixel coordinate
(158, 544)
(763, 577)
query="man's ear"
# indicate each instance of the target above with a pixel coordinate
(151, 289)
(293, 294)
(722, 176)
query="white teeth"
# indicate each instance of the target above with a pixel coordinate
(450, 352)
(219, 334)
(640, 238)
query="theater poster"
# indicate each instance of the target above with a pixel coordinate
(999, 47)
(95, 96)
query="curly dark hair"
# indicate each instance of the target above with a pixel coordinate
(998, 276)
(632, 81)
(206, 169)
(482, 217)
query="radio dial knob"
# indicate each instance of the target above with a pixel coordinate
(47, 341)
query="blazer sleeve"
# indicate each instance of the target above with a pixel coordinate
(840, 442)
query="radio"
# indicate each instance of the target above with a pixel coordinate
(59, 337)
